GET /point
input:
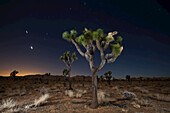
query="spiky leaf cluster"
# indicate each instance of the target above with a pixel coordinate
(65, 72)
(68, 58)
(89, 36)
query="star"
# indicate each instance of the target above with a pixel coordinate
(31, 47)
(26, 31)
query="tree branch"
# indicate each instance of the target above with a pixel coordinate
(106, 45)
(77, 47)
(98, 45)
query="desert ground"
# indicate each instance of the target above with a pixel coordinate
(47, 94)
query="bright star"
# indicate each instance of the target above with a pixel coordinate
(31, 47)
(26, 31)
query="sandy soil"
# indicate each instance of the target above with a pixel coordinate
(151, 96)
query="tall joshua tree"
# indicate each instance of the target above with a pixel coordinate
(68, 59)
(65, 72)
(108, 76)
(92, 40)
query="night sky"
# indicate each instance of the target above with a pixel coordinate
(31, 35)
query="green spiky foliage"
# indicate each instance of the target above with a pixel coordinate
(65, 72)
(93, 40)
(68, 59)
(89, 36)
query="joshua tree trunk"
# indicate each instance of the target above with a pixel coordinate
(70, 88)
(64, 80)
(94, 103)
(108, 81)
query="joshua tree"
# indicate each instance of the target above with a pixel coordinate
(102, 42)
(65, 72)
(108, 76)
(68, 59)
(13, 74)
(128, 77)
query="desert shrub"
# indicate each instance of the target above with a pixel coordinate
(69, 93)
(9, 106)
(76, 93)
(101, 96)
(41, 100)
(129, 95)
(9, 103)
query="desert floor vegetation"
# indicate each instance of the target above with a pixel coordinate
(53, 97)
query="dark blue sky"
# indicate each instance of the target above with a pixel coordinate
(144, 26)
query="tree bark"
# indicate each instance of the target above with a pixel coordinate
(64, 80)
(70, 88)
(94, 103)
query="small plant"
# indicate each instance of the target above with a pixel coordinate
(129, 95)
(9, 106)
(41, 100)
(69, 93)
(101, 96)
(76, 93)
(9, 103)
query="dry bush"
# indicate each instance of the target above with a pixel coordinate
(41, 100)
(101, 96)
(9, 106)
(76, 93)
(69, 93)
(9, 103)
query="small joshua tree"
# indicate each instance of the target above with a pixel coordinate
(108, 76)
(92, 40)
(65, 72)
(68, 59)
(13, 73)
(128, 78)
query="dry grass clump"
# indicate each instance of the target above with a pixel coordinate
(69, 93)
(9, 106)
(76, 93)
(101, 96)
(41, 100)
(9, 103)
